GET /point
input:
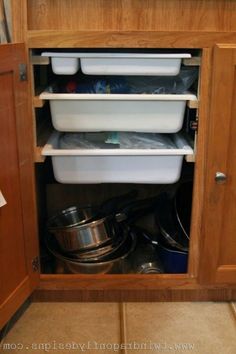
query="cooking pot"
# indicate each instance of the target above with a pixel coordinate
(88, 235)
(150, 268)
(102, 253)
(118, 264)
(94, 252)
(72, 216)
(91, 229)
(144, 258)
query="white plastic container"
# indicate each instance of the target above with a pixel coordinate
(117, 112)
(116, 63)
(62, 66)
(117, 165)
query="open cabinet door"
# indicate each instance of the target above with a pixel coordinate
(218, 256)
(19, 269)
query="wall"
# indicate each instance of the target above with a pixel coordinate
(5, 21)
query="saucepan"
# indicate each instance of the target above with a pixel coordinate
(89, 228)
(117, 263)
(102, 253)
(87, 236)
(72, 216)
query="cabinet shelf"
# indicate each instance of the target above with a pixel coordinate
(38, 102)
(125, 39)
(193, 104)
(39, 60)
(38, 157)
(194, 61)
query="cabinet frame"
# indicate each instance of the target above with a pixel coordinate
(131, 282)
(174, 287)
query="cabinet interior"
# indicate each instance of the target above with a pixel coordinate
(53, 196)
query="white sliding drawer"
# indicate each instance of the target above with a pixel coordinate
(117, 165)
(68, 63)
(117, 112)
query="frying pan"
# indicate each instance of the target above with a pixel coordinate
(168, 224)
(183, 206)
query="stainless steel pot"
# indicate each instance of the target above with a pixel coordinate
(101, 253)
(85, 255)
(150, 268)
(79, 229)
(120, 264)
(88, 235)
(71, 216)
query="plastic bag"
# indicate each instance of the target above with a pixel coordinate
(164, 84)
(97, 85)
(86, 141)
(145, 141)
(122, 140)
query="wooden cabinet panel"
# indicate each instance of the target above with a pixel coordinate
(132, 15)
(16, 250)
(218, 257)
(11, 222)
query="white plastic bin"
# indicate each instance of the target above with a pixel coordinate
(117, 112)
(117, 165)
(116, 63)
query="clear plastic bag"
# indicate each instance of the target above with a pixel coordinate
(96, 85)
(164, 84)
(123, 140)
(86, 141)
(73, 141)
(145, 141)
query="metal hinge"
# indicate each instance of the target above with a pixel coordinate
(23, 72)
(35, 264)
(193, 124)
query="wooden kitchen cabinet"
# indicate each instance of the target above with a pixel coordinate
(18, 243)
(218, 254)
(212, 264)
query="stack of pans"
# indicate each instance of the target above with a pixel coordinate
(84, 240)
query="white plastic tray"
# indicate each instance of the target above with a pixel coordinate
(117, 165)
(117, 112)
(116, 63)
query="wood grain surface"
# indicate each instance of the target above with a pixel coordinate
(126, 39)
(132, 15)
(218, 257)
(18, 220)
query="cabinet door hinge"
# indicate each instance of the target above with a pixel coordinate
(193, 125)
(23, 72)
(35, 264)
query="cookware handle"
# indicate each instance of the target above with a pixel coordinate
(114, 204)
(139, 231)
(134, 210)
